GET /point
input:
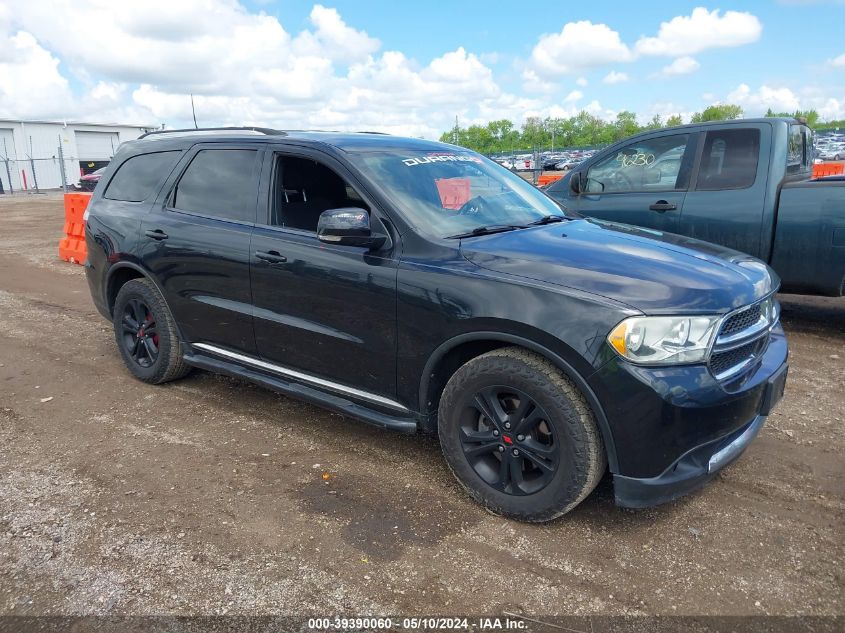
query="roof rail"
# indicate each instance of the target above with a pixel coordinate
(262, 130)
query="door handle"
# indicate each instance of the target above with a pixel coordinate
(662, 205)
(156, 234)
(272, 257)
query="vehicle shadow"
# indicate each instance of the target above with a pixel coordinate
(814, 315)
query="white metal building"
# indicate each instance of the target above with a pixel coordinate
(30, 155)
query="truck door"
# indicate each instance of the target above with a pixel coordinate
(643, 183)
(725, 203)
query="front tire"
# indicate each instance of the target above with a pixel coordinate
(146, 333)
(519, 435)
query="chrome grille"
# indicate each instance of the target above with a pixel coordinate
(741, 320)
(742, 338)
(721, 362)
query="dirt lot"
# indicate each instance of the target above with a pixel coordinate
(207, 495)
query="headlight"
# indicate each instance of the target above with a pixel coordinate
(664, 340)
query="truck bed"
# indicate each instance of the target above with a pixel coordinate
(809, 242)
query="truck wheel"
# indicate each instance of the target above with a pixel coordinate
(519, 436)
(146, 334)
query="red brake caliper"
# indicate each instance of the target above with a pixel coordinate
(148, 320)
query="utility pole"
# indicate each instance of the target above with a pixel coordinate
(32, 165)
(8, 171)
(62, 165)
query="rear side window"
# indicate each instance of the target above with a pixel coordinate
(219, 183)
(729, 159)
(140, 176)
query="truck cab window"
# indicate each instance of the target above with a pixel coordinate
(653, 164)
(303, 188)
(729, 159)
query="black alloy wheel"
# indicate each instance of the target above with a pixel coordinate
(140, 336)
(508, 441)
(519, 435)
(146, 333)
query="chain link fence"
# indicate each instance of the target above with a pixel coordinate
(36, 173)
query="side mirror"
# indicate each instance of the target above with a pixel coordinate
(348, 226)
(576, 182)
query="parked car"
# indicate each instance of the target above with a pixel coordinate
(832, 152)
(743, 184)
(566, 165)
(421, 287)
(88, 182)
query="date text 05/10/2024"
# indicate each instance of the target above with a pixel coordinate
(417, 624)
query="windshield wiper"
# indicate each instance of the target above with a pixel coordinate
(487, 230)
(548, 219)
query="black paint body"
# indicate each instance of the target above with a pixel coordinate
(394, 322)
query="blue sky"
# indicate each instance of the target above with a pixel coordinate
(410, 67)
(797, 38)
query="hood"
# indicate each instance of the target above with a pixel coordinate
(651, 271)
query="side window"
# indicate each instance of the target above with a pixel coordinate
(653, 164)
(303, 188)
(140, 176)
(729, 159)
(219, 183)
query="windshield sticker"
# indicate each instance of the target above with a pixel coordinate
(441, 158)
(454, 192)
(635, 160)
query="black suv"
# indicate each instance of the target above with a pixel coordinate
(422, 287)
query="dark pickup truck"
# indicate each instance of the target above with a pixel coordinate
(744, 184)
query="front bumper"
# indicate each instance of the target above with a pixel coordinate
(675, 428)
(691, 471)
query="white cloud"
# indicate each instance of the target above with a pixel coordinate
(573, 96)
(681, 66)
(141, 63)
(614, 77)
(581, 81)
(333, 38)
(778, 99)
(31, 79)
(532, 82)
(579, 45)
(702, 29)
(785, 99)
(839, 62)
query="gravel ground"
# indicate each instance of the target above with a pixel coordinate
(212, 496)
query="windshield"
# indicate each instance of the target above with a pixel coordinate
(448, 193)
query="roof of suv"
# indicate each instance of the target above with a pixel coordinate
(350, 141)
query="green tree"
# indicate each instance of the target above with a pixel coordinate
(625, 125)
(674, 120)
(810, 116)
(656, 123)
(719, 112)
(534, 133)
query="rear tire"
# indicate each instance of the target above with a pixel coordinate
(146, 333)
(541, 453)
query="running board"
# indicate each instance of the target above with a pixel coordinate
(300, 391)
